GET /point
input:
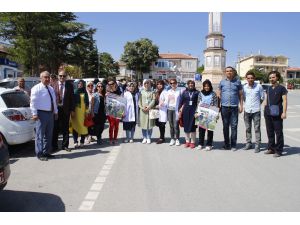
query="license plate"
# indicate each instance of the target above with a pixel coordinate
(1, 177)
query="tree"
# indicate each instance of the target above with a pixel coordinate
(200, 69)
(259, 75)
(108, 67)
(139, 56)
(43, 40)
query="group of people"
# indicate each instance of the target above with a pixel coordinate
(55, 103)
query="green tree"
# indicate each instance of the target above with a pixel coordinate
(43, 40)
(200, 69)
(108, 67)
(139, 56)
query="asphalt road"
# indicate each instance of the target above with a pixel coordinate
(150, 177)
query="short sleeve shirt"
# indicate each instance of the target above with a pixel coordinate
(274, 97)
(230, 91)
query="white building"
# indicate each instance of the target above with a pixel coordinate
(262, 63)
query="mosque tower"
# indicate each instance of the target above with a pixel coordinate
(214, 54)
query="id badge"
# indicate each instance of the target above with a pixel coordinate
(190, 102)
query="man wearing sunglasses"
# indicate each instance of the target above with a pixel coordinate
(66, 106)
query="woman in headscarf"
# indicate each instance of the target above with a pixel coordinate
(187, 110)
(81, 110)
(206, 96)
(161, 105)
(131, 111)
(146, 102)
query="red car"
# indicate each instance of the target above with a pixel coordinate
(4, 163)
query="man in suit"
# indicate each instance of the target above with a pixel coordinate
(66, 106)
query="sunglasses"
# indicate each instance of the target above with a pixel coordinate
(62, 75)
(90, 85)
(100, 86)
(111, 84)
(173, 83)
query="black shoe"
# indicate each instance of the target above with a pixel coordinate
(67, 149)
(160, 141)
(42, 158)
(226, 147)
(49, 156)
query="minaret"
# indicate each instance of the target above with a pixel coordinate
(215, 54)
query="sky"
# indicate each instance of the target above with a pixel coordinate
(245, 32)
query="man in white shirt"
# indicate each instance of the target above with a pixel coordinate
(44, 110)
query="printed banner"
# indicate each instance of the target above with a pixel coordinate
(115, 105)
(207, 116)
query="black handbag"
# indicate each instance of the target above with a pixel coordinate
(274, 109)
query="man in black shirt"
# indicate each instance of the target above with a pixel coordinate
(276, 97)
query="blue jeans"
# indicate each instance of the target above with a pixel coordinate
(147, 133)
(230, 118)
(130, 133)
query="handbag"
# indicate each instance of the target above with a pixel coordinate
(88, 120)
(153, 114)
(274, 109)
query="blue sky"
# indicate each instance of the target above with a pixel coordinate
(245, 33)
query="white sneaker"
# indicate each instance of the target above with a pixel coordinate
(88, 139)
(144, 141)
(208, 148)
(177, 143)
(131, 140)
(199, 147)
(148, 141)
(172, 142)
(76, 145)
(126, 141)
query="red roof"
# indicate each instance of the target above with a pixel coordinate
(175, 56)
(293, 69)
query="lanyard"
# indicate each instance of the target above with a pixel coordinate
(191, 95)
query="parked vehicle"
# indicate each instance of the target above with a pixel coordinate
(16, 125)
(4, 164)
(13, 82)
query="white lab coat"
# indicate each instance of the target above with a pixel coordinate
(129, 110)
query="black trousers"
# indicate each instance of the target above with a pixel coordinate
(162, 129)
(210, 135)
(274, 125)
(61, 126)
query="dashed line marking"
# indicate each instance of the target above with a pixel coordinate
(95, 190)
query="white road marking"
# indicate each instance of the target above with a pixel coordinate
(92, 195)
(292, 129)
(86, 205)
(94, 192)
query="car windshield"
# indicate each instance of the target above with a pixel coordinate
(16, 99)
(7, 84)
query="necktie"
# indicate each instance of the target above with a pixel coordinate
(52, 105)
(61, 93)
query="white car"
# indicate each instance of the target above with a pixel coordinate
(16, 125)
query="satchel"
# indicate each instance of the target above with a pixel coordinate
(274, 110)
(88, 120)
(153, 114)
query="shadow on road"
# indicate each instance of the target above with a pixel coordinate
(288, 150)
(74, 154)
(21, 201)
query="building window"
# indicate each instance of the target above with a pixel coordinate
(188, 65)
(274, 60)
(223, 61)
(163, 64)
(208, 61)
(217, 43)
(217, 60)
(210, 43)
(258, 59)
